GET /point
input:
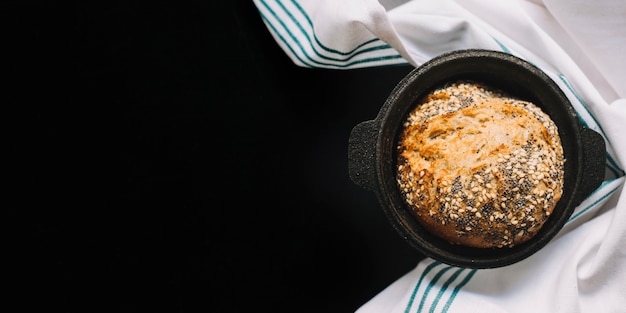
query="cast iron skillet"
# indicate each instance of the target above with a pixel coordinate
(372, 153)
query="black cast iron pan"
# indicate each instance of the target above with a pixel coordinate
(372, 153)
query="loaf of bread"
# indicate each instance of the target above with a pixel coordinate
(479, 168)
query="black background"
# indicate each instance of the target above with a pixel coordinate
(169, 157)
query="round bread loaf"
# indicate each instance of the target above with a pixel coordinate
(478, 167)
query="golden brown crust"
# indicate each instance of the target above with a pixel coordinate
(479, 168)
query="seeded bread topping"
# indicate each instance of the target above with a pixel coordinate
(480, 168)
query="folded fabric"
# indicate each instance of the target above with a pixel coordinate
(580, 45)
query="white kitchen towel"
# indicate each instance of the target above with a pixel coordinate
(581, 45)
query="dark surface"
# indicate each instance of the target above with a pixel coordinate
(171, 158)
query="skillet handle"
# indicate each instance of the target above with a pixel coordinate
(594, 158)
(361, 155)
